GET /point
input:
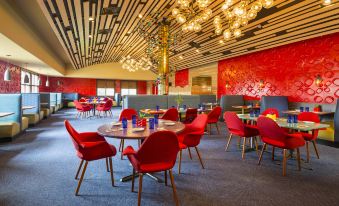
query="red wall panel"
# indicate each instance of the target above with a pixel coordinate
(12, 86)
(181, 78)
(141, 87)
(85, 87)
(288, 70)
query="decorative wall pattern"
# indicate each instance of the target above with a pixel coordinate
(288, 70)
(12, 86)
(141, 87)
(181, 78)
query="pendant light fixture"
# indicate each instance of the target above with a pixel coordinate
(47, 82)
(7, 74)
(26, 78)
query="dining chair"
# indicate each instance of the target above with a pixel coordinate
(272, 134)
(126, 113)
(213, 118)
(105, 108)
(237, 128)
(171, 114)
(271, 111)
(157, 153)
(90, 146)
(82, 110)
(191, 136)
(310, 137)
(191, 114)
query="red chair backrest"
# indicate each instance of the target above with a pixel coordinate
(171, 114)
(215, 114)
(191, 114)
(74, 135)
(108, 104)
(77, 104)
(312, 117)
(82, 99)
(271, 111)
(268, 128)
(198, 128)
(159, 147)
(127, 113)
(233, 122)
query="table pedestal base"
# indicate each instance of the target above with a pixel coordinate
(129, 178)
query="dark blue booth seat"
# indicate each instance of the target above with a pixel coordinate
(10, 125)
(188, 100)
(227, 101)
(46, 104)
(68, 98)
(35, 114)
(278, 102)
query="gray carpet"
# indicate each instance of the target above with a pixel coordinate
(38, 168)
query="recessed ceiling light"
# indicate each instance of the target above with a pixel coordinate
(221, 42)
(197, 50)
(327, 2)
(89, 36)
(91, 18)
(181, 57)
(140, 16)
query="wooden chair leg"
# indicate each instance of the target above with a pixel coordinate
(122, 148)
(79, 168)
(284, 162)
(174, 189)
(315, 148)
(107, 164)
(133, 174)
(262, 152)
(228, 142)
(216, 124)
(120, 145)
(298, 159)
(243, 148)
(273, 149)
(165, 177)
(111, 169)
(81, 178)
(189, 152)
(210, 129)
(256, 145)
(202, 165)
(180, 156)
(140, 188)
(307, 152)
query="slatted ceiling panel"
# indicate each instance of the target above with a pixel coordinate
(288, 21)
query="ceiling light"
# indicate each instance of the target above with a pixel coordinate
(47, 82)
(140, 16)
(221, 42)
(181, 57)
(197, 50)
(91, 18)
(327, 2)
(89, 36)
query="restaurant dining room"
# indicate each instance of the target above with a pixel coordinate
(169, 102)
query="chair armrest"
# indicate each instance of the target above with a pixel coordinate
(91, 137)
(129, 151)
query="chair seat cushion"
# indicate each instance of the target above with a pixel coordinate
(151, 167)
(9, 129)
(250, 131)
(32, 118)
(96, 150)
(308, 136)
(292, 141)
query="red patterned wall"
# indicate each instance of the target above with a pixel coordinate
(141, 87)
(181, 78)
(117, 86)
(12, 86)
(288, 70)
(85, 87)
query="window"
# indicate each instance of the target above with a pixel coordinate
(30, 86)
(105, 88)
(128, 88)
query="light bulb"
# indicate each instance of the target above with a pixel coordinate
(227, 34)
(217, 20)
(267, 3)
(208, 12)
(235, 24)
(228, 14)
(244, 21)
(184, 28)
(181, 18)
(237, 33)
(256, 6)
(175, 12)
(238, 11)
(225, 6)
(327, 2)
(197, 27)
(218, 31)
(251, 14)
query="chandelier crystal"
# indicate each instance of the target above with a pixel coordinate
(133, 65)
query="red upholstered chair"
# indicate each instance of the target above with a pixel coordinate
(90, 146)
(274, 135)
(191, 114)
(310, 137)
(271, 111)
(105, 108)
(82, 110)
(238, 128)
(213, 118)
(171, 114)
(126, 113)
(157, 153)
(191, 136)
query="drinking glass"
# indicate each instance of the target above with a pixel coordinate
(301, 109)
(252, 113)
(156, 119)
(307, 109)
(185, 106)
(157, 107)
(295, 118)
(134, 119)
(151, 123)
(124, 123)
(289, 119)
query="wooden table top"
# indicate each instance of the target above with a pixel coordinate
(282, 122)
(98, 102)
(109, 130)
(246, 107)
(27, 107)
(297, 112)
(5, 114)
(153, 111)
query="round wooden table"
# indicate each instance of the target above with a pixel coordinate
(116, 131)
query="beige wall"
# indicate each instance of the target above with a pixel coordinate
(205, 70)
(109, 71)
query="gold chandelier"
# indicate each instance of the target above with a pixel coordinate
(191, 19)
(238, 15)
(133, 65)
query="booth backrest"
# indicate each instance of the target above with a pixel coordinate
(139, 102)
(336, 123)
(45, 99)
(11, 103)
(31, 99)
(278, 102)
(53, 99)
(188, 100)
(59, 98)
(70, 96)
(208, 98)
(227, 101)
